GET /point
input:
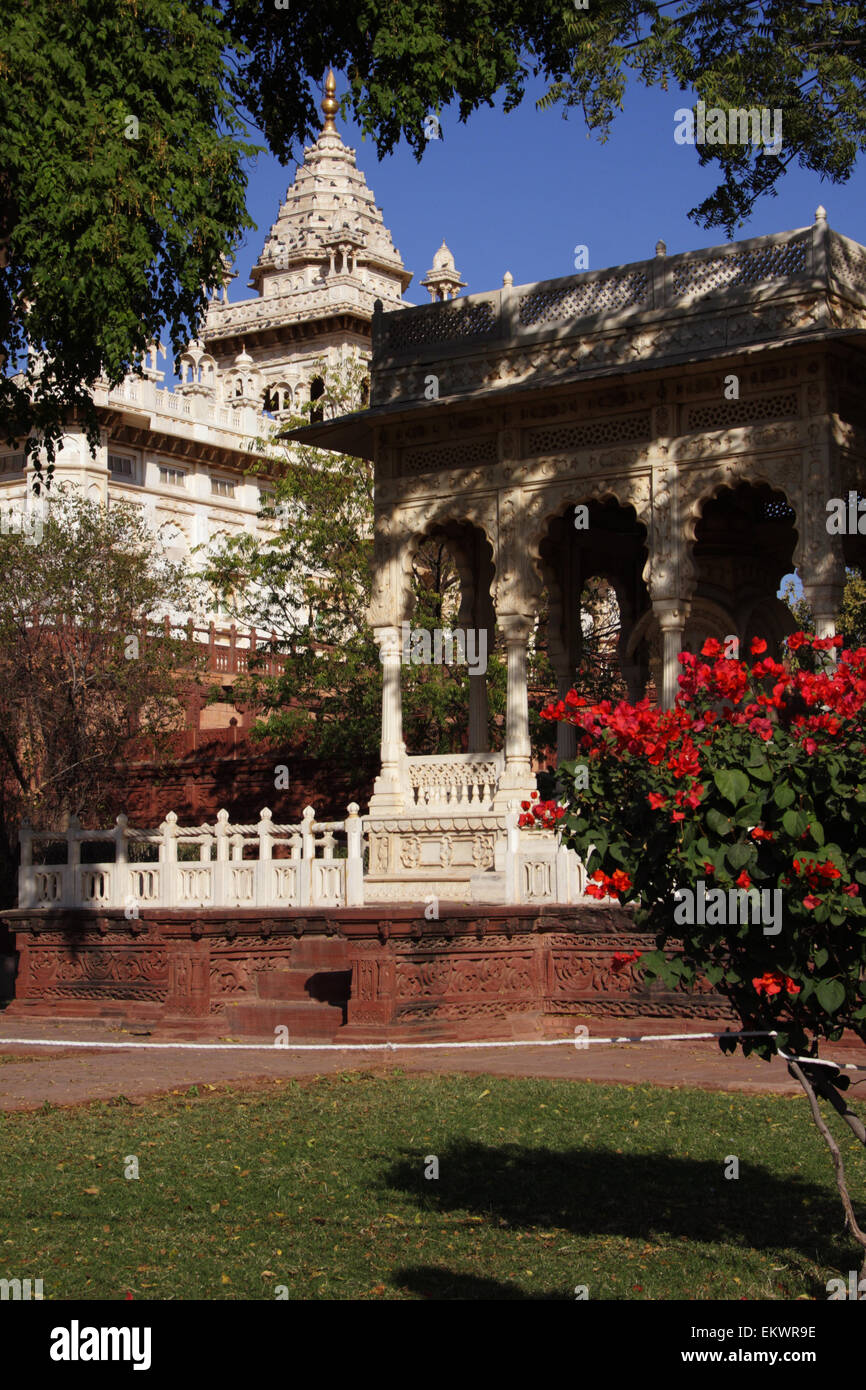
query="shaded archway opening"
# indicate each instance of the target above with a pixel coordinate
(593, 561)
(454, 689)
(317, 391)
(743, 550)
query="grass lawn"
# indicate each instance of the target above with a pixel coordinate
(319, 1186)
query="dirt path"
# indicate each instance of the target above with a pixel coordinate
(70, 1076)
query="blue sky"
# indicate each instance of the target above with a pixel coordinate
(518, 192)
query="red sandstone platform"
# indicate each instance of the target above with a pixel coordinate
(350, 973)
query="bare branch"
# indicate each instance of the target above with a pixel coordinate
(850, 1218)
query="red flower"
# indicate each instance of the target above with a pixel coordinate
(709, 868)
(810, 901)
(608, 885)
(678, 815)
(657, 801)
(693, 798)
(758, 646)
(772, 983)
(712, 647)
(622, 959)
(852, 890)
(759, 833)
(744, 881)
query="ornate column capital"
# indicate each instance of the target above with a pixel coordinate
(516, 627)
(672, 613)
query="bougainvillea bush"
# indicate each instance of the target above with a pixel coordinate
(755, 785)
(755, 782)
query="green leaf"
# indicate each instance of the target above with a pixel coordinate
(718, 823)
(739, 855)
(794, 823)
(831, 995)
(732, 784)
(761, 771)
(783, 796)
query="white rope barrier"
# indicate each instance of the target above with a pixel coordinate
(578, 1043)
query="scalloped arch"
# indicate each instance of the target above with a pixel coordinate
(409, 537)
(752, 472)
(549, 503)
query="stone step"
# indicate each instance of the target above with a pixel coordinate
(302, 985)
(320, 953)
(306, 1022)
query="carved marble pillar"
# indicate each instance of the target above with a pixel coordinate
(825, 600)
(672, 615)
(479, 741)
(387, 792)
(671, 569)
(819, 555)
(566, 734)
(517, 779)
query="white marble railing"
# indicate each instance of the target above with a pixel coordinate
(809, 256)
(458, 781)
(197, 409)
(310, 864)
(315, 865)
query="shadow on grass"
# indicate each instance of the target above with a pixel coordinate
(432, 1281)
(598, 1192)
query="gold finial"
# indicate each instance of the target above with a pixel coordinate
(330, 105)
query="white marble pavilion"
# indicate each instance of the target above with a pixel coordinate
(676, 426)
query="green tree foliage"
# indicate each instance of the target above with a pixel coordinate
(121, 188)
(84, 666)
(851, 617)
(106, 240)
(408, 58)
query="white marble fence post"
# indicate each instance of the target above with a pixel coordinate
(512, 848)
(220, 869)
(168, 860)
(355, 858)
(26, 877)
(120, 883)
(265, 895)
(308, 853)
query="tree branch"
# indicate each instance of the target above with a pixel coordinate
(850, 1218)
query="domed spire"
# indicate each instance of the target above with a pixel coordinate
(443, 280)
(330, 105)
